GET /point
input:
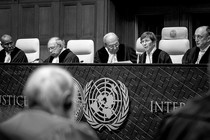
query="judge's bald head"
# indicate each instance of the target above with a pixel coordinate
(7, 43)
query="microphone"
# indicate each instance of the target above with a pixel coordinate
(38, 59)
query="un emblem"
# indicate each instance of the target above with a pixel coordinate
(107, 103)
(79, 101)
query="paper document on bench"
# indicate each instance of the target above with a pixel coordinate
(128, 61)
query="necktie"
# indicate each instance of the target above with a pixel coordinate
(7, 58)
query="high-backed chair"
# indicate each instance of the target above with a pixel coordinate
(139, 49)
(84, 49)
(31, 47)
(0, 46)
(174, 41)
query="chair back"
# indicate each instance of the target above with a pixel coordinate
(1, 48)
(84, 49)
(31, 47)
(174, 41)
(139, 49)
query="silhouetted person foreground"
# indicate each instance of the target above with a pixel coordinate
(50, 93)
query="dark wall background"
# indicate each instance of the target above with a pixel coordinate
(91, 19)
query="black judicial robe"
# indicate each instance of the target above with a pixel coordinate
(123, 54)
(17, 56)
(66, 56)
(191, 122)
(191, 56)
(159, 56)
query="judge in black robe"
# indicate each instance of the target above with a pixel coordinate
(148, 41)
(113, 51)
(202, 40)
(191, 56)
(158, 56)
(17, 55)
(123, 54)
(66, 56)
(59, 51)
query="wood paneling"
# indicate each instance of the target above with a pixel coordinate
(88, 20)
(6, 19)
(83, 19)
(101, 22)
(8, 1)
(45, 21)
(36, 1)
(27, 23)
(68, 24)
(68, 19)
(172, 15)
(40, 20)
(37, 20)
(78, 20)
(45, 26)
(92, 19)
(9, 18)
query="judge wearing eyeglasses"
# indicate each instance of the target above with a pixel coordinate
(10, 53)
(59, 53)
(200, 53)
(113, 51)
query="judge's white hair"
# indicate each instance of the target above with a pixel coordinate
(110, 35)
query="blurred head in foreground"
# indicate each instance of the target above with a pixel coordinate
(51, 88)
(191, 121)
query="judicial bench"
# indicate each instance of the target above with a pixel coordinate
(125, 101)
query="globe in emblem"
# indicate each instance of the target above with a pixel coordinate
(106, 103)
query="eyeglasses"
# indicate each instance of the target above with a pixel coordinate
(6, 44)
(52, 48)
(111, 46)
(199, 37)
